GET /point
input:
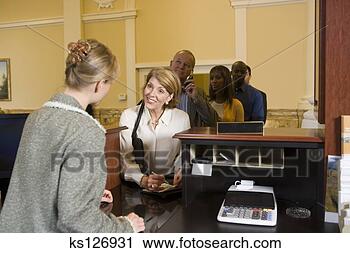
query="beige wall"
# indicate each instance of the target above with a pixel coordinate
(277, 52)
(207, 27)
(11, 10)
(36, 65)
(276, 44)
(111, 33)
(165, 26)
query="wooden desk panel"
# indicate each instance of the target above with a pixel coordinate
(112, 154)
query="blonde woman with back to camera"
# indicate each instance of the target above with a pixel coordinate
(59, 174)
(159, 121)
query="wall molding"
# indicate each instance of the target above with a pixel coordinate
(31, 22)
(86, 18)
(202, 66)
(260, 3)
(118, 15)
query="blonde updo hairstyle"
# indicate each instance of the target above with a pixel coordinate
(169, 80)
(88, 62)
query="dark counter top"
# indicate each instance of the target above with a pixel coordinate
(168, 215)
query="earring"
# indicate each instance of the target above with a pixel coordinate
(166, 102)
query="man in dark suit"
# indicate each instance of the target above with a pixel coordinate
(250, 97)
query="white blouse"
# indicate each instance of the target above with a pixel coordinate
(219, 108)
(161, 150)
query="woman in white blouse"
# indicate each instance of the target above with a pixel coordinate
(160, 120)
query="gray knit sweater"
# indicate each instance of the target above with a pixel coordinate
(59, 175)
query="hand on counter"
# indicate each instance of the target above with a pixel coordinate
(177, 177)
(107, 196)
(106, 202)
(136, 222)
(152, 182)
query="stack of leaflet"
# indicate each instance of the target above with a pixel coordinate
(344, 172)
(343, 183)
(343, 191)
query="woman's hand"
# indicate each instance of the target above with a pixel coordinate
(177, 177)
(152, 182)
(107, 196)
(136, 222)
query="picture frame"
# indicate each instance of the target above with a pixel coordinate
(5, 79)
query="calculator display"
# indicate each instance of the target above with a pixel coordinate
(249, 199)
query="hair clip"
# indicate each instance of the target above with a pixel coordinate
(79, 50)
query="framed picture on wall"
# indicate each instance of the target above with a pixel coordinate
(5, 79)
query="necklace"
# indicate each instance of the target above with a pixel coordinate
(156, 122)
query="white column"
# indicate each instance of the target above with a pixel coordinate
(241, 33)
(72, 22)
(303, 102)
(310, 53)
(130, 56)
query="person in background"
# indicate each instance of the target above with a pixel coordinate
(248, 76)
(159, 121)
(221, 96)
(59, 175)
(193, 100)
(249, 96)
(263, 94)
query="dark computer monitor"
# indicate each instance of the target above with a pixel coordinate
(11, 127)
